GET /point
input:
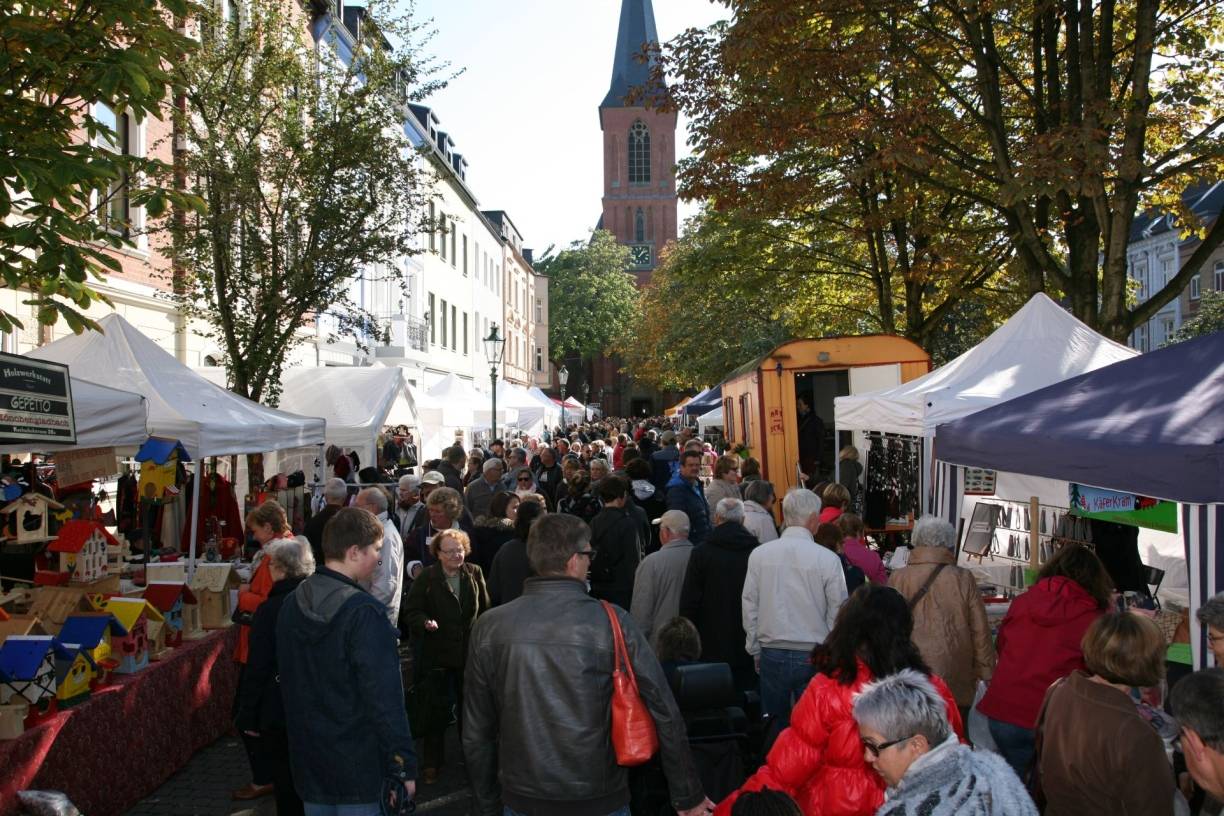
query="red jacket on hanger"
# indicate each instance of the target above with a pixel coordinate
(216, 499)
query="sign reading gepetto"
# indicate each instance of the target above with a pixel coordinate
(35, 401)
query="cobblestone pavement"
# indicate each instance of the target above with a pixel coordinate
(203, 787)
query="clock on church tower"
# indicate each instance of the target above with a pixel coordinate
(639, 200)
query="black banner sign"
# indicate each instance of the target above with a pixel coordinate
(35, 401)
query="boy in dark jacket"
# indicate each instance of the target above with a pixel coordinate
(340, 678)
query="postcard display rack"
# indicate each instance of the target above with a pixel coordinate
(1021, 536)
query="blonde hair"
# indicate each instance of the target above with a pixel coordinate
(849, 452)
(1126, 648)
(271, 514)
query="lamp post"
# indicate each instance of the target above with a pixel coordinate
(563, 378)
(586, 398)
(603, 409)
(494, 344)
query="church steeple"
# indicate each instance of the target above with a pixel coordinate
(637, 28)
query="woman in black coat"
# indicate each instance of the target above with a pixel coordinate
(510, 567)
(261, 711)
(441, 609)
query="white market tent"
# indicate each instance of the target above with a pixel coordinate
(552, 411)
(531, 414)
(1040, 345)
(356, 402)
(182, 405)
(710, 419)
(105, 418)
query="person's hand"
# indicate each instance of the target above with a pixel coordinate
(431, 625)
(703, 809)
(410, 788)
(756, 663)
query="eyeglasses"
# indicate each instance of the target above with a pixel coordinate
(876, 750)
(451, 553)
(526, 479)
(587, 553)
(1213, 638)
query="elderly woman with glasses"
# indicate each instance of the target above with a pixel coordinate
(903, 723)
(442, 606)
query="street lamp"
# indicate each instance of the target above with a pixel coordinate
(563, 378)
(586, 398)
(494, 344)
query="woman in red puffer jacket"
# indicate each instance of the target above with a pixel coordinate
(1038, 643)
(818, 760)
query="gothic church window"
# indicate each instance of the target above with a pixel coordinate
(639, 153)
(639, 225)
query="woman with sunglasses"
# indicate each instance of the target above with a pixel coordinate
(819, 759)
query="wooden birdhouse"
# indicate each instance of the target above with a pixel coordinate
(74, 674)
(212, 585)
(81, 547)
(177, 603)
(94, 631)
(27, 668)
(29, 518)
(53, 605)
(132, 649)
(12, 718)
(166, 572)
(159, 465)
(20, 625)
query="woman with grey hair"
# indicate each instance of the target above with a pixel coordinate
(950, 626)
(1211, 615)
(903, 723)
(260, 710)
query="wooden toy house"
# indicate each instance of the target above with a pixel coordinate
(212, 585)
(81, 547)
(74, 674)
(94, 631)
(20, 625)
(166, 572)
(29, 518)
(131, 650)
(178, 606)
(159, 465)
(12, 718)
(53, 605)
(27, 668)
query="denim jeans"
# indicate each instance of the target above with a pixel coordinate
(1015, 744)
(370, 809)
(785, 673)
(511, 812)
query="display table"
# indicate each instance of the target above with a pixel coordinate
(113, 750)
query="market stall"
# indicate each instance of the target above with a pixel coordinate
(1147, 428)
(357, 403)
(105, 418)
(709, 421)
(704, 402)
(182, 405)
(1039, 345)
(530, 414)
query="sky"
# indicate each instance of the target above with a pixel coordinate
(524, 112)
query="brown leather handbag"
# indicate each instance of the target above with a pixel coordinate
(633, 729)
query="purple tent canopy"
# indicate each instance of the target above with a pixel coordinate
(1152, 425)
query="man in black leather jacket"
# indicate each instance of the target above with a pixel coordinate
(536, 729)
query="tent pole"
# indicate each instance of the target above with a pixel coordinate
(195, 519)
(836, 452)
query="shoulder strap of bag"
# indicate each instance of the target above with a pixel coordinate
(621, 659)
(926, 587)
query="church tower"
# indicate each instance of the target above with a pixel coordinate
(639, 199)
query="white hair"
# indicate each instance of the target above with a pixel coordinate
(599, 463)
(730, 510)
(375, 497)
(410, 481)
(491, 463)
(677, 521)
(932, 531)
(799, 505)
(903, 705)
(335, 491)
(293, 555)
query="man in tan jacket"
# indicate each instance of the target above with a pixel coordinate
(950, 627)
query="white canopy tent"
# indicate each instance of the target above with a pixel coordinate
(552, 411)
(1039, 345)
(710, 419)
(182, 405)
(105, 418)
(530, 413)
(356, 402)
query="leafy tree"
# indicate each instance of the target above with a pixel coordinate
(308, 177)
(1043, 127)
(58, 60)
(591, 296)
(1208, 319)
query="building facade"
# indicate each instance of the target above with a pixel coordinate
(1157, 252)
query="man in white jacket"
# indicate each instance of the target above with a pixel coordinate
(792, 592)
(386, 582)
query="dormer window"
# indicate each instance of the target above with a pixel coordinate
(639, 153)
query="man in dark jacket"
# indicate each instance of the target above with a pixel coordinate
(340, 677)
(335, 494)
(619, 534)
(811, 440)
(547, 658)
(451, 467)
(549, 477)
(665, 462)
(685, 493)
(713, 583)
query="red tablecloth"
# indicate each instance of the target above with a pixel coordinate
(113, 750)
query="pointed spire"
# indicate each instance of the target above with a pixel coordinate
(637, 28)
